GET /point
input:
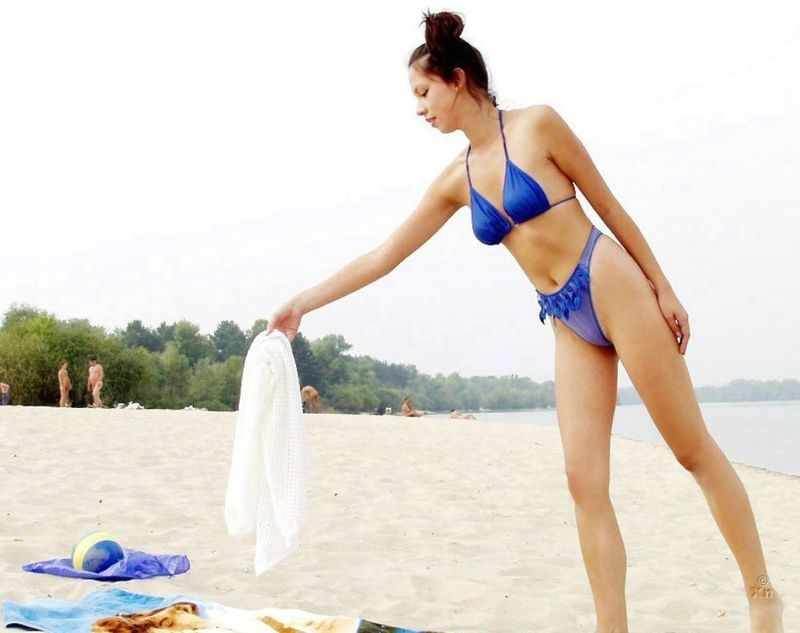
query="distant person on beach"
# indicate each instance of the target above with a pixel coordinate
(64, 384)
(310, 399)
(608, 301)
(4, 395)
(457, 415)
(95, 383)
(408, 409)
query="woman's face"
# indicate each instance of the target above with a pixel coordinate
(435, 99)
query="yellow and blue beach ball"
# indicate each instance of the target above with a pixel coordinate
(96, 552)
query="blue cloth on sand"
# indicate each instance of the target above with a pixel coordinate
(66, 616)
(133, 566)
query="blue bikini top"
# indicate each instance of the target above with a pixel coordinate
(523, 199)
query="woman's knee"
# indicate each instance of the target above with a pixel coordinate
(698, 454)
(587, 485)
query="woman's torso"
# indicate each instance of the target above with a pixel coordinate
(548, 246)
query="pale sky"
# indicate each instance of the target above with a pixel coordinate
(171, 160)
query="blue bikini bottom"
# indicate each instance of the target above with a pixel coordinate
(572, 303)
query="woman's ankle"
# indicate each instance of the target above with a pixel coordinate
(762, 590)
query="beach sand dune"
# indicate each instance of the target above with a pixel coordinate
(450, 525)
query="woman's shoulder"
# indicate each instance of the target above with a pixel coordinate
(541, 122)
(452, 176)
(535, 115)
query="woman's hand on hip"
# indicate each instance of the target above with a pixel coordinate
(676, 317)
(286, 319)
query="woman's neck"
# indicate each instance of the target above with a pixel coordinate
(482, 127)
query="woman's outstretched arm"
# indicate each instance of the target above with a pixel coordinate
(440, 202)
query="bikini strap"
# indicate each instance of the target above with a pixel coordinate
(505, 148)
(469, 180)
(564, 200)
(502, 133)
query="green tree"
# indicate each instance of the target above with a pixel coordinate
(205, 386)
(130, 376)
(231, 381)
(24, 365)
(352, 398)
(334, 366)
(137, 335)
(165, 334)
(177, 375)
(258, 326)
(191, 344)
(19, 313)
(307, 366)
(31, 351)
(229, 340)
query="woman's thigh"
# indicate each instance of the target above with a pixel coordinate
(586, 395)
(628, 310)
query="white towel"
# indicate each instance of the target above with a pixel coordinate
(267, 484)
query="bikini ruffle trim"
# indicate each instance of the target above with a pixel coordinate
(566, 299)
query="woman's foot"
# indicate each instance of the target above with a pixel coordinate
(766, 608)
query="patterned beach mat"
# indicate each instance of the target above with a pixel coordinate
(120, 611)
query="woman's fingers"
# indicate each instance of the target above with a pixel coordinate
(673, 325)
(284, 320)
(685, 333)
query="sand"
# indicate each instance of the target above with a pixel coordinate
(449, 525)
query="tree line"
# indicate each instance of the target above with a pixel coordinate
(739, 390)
(172, 366)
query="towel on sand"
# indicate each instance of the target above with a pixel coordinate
(67, 616)
(120, 611)
(267, 484)
(133, 565)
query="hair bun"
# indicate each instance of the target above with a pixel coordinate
(442, 31)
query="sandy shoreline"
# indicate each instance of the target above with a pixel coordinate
(451, 525)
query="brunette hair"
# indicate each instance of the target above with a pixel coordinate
(444, 51)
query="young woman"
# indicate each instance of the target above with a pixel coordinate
(606, 304)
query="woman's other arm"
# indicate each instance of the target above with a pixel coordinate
(572, 158)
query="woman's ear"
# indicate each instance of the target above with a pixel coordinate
(460, 78)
